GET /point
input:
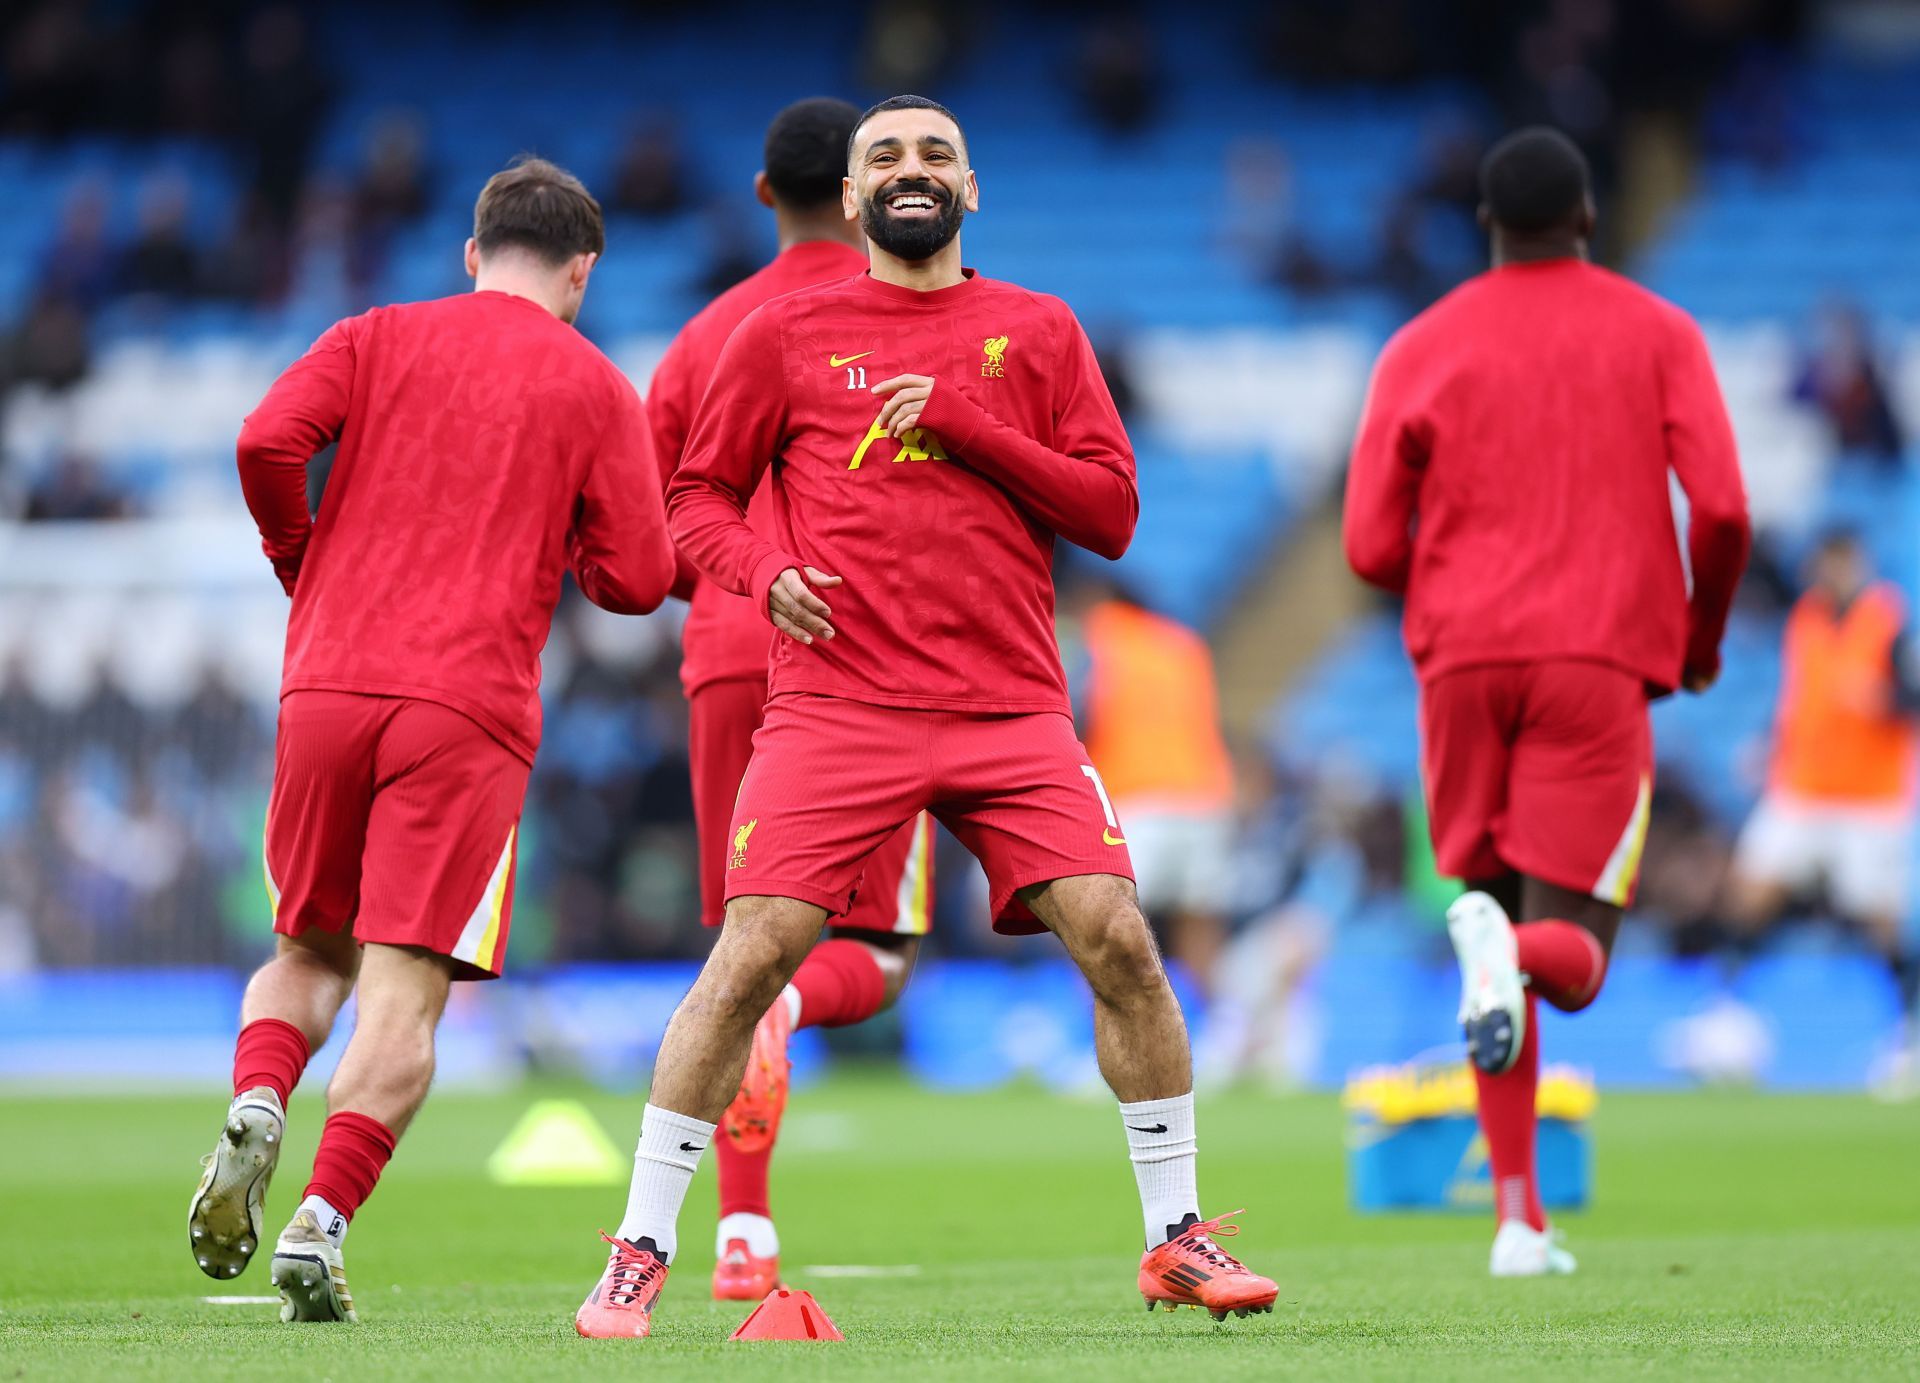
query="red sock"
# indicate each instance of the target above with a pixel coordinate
(839, 983)
(272, 1053)
(743, 1178)
(354, 1149)
(1507, 1118)
(1563, 963)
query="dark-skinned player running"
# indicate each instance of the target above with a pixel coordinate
(1510, 480)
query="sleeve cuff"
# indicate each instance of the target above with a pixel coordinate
(952, 417)
(760, 579)
(1703, 657)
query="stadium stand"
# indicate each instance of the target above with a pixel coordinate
(119, 649)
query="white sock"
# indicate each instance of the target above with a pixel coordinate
(332, 1222)
(763, 1241)
(1160, 1142)
(663, 1167)
(791, 998)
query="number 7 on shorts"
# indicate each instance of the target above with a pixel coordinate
(1112, 834)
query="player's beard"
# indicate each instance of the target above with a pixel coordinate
(918, 240)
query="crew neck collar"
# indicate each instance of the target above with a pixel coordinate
(936, 297)
(501, 293)
(1550, 262)
(825, 250)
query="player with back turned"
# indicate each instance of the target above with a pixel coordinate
(930, 432)
(1511, 480)
(485, 450)
(863, 966)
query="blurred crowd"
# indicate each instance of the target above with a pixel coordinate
(130, 824)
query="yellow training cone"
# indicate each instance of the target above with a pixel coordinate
(557, 1143)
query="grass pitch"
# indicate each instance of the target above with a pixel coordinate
(1735, 1236)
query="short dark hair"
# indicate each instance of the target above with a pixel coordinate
(805, 154)
(539, 207)
(1534, 180)
(903, 103)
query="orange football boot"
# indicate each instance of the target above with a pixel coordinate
(740, 1276)
(1190, 1269)
(753, 1119)
(620, 1306)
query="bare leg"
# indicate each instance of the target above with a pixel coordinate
(1139, 1032)
(1504, 890)
(388, 1063)
(1752, 905)
(1540, 900)
(305, 984)
(705, 1048)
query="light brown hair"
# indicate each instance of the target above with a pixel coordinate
(541, 208)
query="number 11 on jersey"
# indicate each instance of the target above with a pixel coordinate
(856, 376)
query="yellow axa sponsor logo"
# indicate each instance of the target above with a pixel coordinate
(916, 445)
(994, 353)
(834, 362)
(739, 860)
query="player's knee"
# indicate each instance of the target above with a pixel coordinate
(1123, 961)
(327, 955)
(741, 982)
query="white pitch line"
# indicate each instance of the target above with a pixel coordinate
(857, 1270)
(241, 1301)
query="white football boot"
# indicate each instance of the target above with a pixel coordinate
(223, 1219)
(1493, 992)
(1519, 1250)
(310, 1273)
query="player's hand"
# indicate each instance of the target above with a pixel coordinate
(900, 414)
(795, 610)
(1697, 681)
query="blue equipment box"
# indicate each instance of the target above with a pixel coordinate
(1441, 1164)
(1414, 1143)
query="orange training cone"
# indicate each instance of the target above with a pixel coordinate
(786, 1315)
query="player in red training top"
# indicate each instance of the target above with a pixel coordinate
(930, 431)
(1510, 479)
(485, 449)
(862, 968)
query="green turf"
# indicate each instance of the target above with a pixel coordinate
(1735, 1236)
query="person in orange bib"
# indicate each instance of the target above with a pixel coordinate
(1838, 810)
(1149, 700)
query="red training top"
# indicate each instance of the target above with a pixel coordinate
(944, 539)
(1510, 477)
(726, 638)
(485, 448)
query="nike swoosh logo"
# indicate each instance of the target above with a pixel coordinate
(1157, 1128)
(691, 1147)
(836, 361)
(1111, 839)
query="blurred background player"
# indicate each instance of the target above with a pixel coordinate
(864, 964)
(937, 686)
(1839, 806)
(1146, 697)
(485, 449)
(1510, 478)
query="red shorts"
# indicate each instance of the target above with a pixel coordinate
(394, 819)
(1543, 769)
(832, 778)
(896, 894)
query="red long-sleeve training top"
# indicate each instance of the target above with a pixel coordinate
(485, 447)
(726, 638)
(945, 541)
(1511, 478)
